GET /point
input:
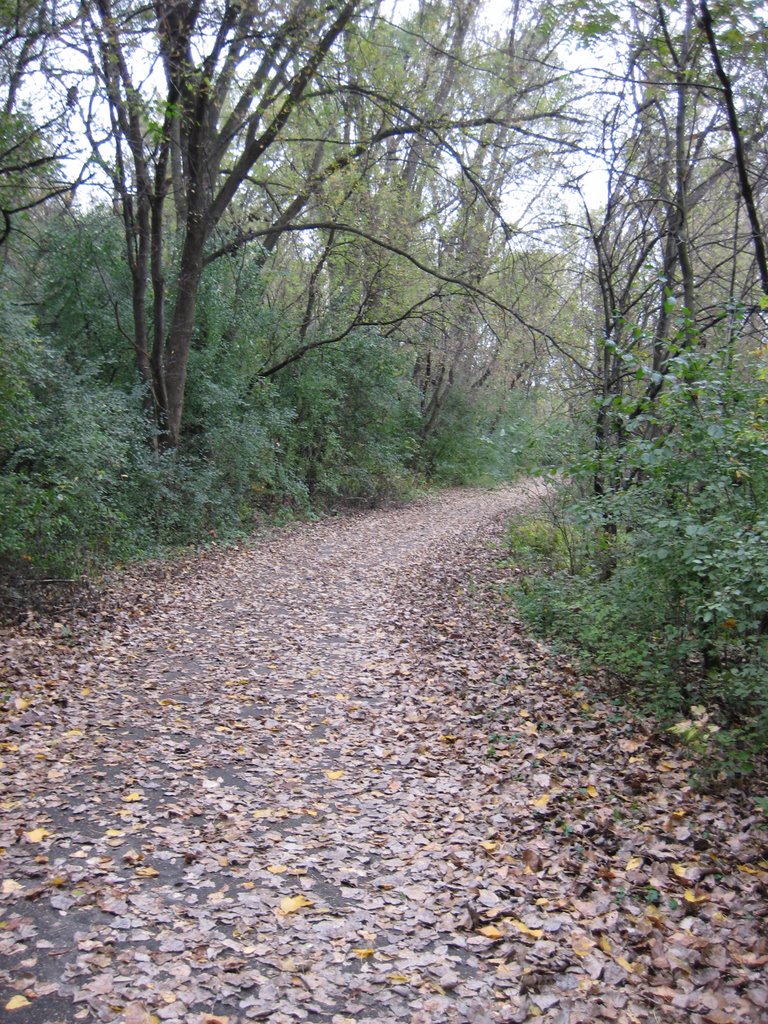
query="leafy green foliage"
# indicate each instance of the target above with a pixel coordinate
(81, 277)
(354, 422)
(82, 481)
(670, 588)
(65, 452)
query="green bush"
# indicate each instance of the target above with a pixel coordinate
(66, 447)
(353, 422)
(670, 588)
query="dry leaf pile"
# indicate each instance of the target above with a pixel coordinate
(326, 778)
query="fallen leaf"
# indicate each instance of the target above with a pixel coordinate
(335, 775)
(633, 864)
(10, 887)
(290, 904)
(490, 845)
(582, 945)
(276, 869)
(137, 1013)
(541, 802)
(147, 872)
(132, 798)
(37, 835)
(690, 896)
(363, 954)
(522, 927)
(490, 931)
(16, 1003)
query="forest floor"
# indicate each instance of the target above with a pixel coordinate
(325, 777)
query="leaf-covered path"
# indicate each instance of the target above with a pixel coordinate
(322, 779)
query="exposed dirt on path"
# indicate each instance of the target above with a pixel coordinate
(325, 779)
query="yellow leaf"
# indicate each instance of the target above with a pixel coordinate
(624, 963)
(137, 1013)
(604, 944)
(276, 869)
(542, 801)
(692, 897)
(290, 904)
(334, 776)
(750, 870)
(582, 944)
(265, 812)
(490, 931)
(147, 872)
(633, 863)
(398, 979)
(363, 954)
(132, 798)
(114, 833)
(10, 887)
(37, 835)
(534, 933)
(16, 1003)
(679, 870)
(490, 845)
(592, 791)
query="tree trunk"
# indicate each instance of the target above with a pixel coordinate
(180, 333)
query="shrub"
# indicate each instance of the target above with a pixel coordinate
(670, 590)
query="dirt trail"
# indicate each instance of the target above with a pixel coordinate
(318, 779)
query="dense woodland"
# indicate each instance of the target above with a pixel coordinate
(264, 260)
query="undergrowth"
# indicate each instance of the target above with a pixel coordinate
(661, 581)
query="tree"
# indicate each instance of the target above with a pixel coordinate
(234, 75)
(30, 145)
(671, 257)
(262, 109)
